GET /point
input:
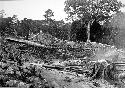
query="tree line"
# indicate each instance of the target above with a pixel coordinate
(86, 17)
(26, 27)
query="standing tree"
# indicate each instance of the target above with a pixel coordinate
(15, 24)
(91, 10)
(48, 15)
(25, 28)
(2, 13)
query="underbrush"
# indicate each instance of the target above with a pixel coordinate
(16, 70)
(13, 70)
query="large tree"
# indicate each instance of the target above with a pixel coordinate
(91, 10)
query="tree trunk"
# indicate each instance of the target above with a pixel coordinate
(88, 31)
(69, 34)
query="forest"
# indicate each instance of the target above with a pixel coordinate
(86, 52)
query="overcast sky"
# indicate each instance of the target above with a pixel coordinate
(34, 9)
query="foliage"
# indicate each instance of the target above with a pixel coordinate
(85, 13)
(78, 31)
(2, 13)
(89, 9)
(109, 33)
(117, 22)
(27, 27)
(60, 30)
(48, 14)
(14, 72)
(6, 26)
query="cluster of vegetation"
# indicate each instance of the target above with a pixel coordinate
(27, 27)
(86, 17)
(14, 72)
(87, 14)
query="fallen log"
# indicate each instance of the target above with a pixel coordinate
(25, 42)
(64, 45)
(54, 67)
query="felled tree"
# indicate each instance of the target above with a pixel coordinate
(91, 10)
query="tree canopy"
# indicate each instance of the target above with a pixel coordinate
(7, 26)
(89, 9)
(48, 14)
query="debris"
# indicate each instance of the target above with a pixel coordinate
(67, 79)
(96, 84)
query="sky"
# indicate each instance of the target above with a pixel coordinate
(35, 9)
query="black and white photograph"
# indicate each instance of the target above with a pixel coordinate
(62, 43)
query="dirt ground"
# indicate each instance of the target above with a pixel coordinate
(62, 79)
